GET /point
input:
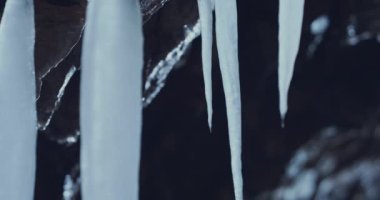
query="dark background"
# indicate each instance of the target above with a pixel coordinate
(336, 85)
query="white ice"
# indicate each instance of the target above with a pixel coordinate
(110, 106)
(290, 28)
(18, 119)
(227, 43)
(206, 8)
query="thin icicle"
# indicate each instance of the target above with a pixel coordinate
(290, 27)
(206, 8)
(227, 42)
(18, 119)
(111, 107)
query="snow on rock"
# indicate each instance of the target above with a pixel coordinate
(18, 119)
(155, 81)
(111, 107)
(290, 27)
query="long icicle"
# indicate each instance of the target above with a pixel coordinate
(18, 119)
(227, 42)
(111, 107)
(206, 8)
(290, 28)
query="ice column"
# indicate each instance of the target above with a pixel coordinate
(290, 28)
(18, 119)
(111, 107)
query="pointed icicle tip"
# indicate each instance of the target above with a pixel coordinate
(290, 28)
(206, 8)
(227, 43)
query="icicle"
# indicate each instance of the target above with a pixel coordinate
(227, 42)
(290, 27)
(18, 119)
(206, 8)
(111, 108)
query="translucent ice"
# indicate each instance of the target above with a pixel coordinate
(18, 123)
(111, 107)
(290, 27)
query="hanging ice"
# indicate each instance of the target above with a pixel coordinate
(227, 43)
(111, 108)
(18, 123)
(290, 27)
(206, 8)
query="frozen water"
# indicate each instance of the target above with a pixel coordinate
(227, 43)
(18, 123)
(206, 8)
(111, 107)
(290, 27)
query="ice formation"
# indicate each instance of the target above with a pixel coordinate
(290, 27)
(111, 107)
(206, 8)
(18, 119)
(227, 43)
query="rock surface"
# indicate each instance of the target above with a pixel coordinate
(338, 164)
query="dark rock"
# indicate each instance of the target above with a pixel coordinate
(337, 165)
(64, 2)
